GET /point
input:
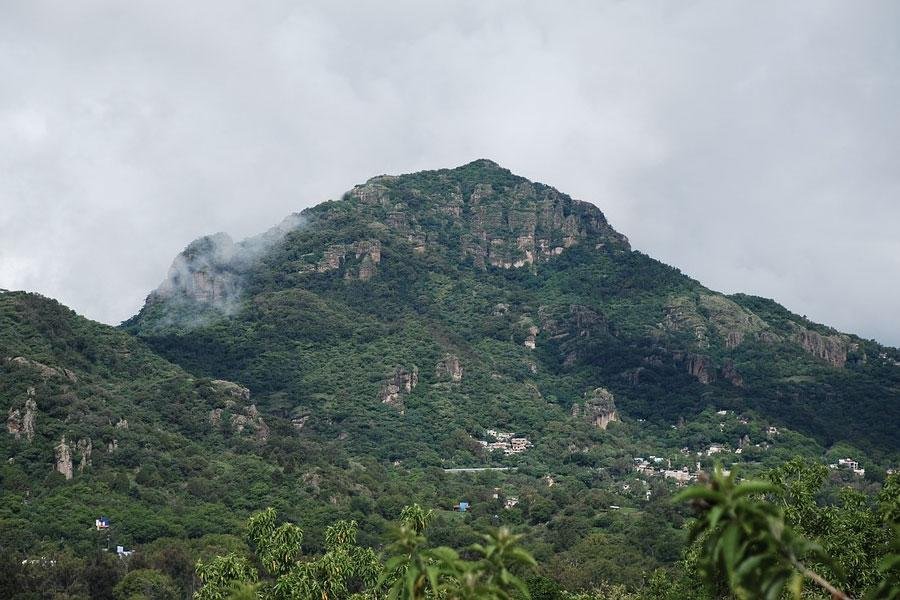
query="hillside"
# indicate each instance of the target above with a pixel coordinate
(531, 297)
(380, 349)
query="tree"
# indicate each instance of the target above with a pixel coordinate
(746, 542)
(146, 584)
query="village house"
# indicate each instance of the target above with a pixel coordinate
(505, 442)
(850, 465)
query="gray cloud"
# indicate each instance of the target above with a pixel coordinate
(755, 145)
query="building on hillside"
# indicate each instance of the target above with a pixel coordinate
(850, 465)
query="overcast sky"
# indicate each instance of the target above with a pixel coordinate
(754, 145)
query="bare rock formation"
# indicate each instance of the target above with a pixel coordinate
(598, 408)
(250, 420)
(84, 449)
(202, 272)
(45, 371)
(359, 259)
(450, 368)
(830, 348)
(732, 322)
(731, 374)
(232, 389)
(19, 422)
(393, 388)
(242, 419)
(700, 367)
(64, 459)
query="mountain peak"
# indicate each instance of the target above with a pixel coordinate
(481, 163)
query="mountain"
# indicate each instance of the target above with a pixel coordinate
(383, 348)
(350, 319)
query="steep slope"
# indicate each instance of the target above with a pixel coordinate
(97, 424)
(420, 310)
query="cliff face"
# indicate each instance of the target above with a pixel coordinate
(22, 422)
(209, 275)
(830, 348)
(397, 386)
(598, 408)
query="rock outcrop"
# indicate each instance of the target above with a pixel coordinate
(731, 374)
(45, 371)
(232, 389)
(598, 408)
(830, 348)
(449, 367)
(64, 459)
(210, 272)
(700, 367)
(84, 449)
(393, 388)
(252, 421)
(203, 273)
(731, 322)
(20, 423)
(359, 260)
(241, 419)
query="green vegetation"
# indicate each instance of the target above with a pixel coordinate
(373, 348)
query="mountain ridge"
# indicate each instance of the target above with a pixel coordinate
(394, 239)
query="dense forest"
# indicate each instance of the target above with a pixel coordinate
(458, 373)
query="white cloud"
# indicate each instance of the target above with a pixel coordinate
(755, 145)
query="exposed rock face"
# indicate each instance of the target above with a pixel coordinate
(112, 446)
(245, 418)
(510, 223)
(64, 459)
(701, 367)
(681, 315)
(202, 272)
(122, 424)
(211, 271)
(449, 367)
(44, 370)
(366, 255)
(731, 321)
(84, 448)
(730, 373)
(711, 316)
(529, 224)
(531, 340)
(230, 388)
(393, 388)
(372, 192)
(598, 408)
(19, 424)
(830, 348)
(251, 420)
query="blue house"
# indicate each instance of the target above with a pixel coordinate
(462, 506)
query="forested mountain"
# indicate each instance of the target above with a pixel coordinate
(346, 362)
(529, 296)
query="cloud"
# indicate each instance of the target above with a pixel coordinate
(754, 145)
